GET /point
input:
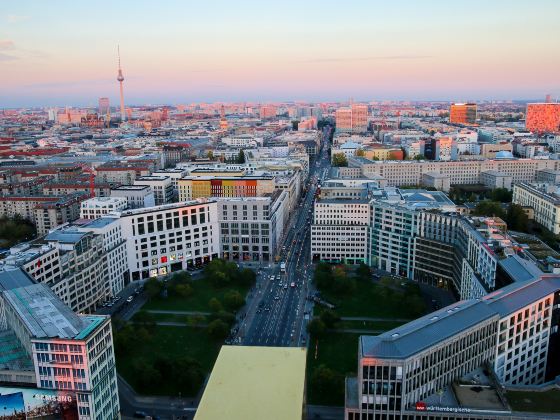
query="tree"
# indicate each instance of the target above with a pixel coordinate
(15, 229)
(146, 374)
(215, 305)
(360, 152)
(218, 329)
(241, 157)
(327, 381)
(233, 300)
(339, 159)
(153, 287)
(183, 290)
(502, 195)
(188, 374)
(210, 155)
(246, 278)
(329, 318)
(516, 218)
(146, 319)
(363, 272)
(316, 328)
(420, 157)
(489, 208)
(227, 317)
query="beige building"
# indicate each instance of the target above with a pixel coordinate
(460, 172)
(544, 200)
(495, 179)
(489, 150)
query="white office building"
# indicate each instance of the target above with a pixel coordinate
(137, 196)
(339, 232)
(97, 207)
(162, 187)
(64, 357)
(114, 247)
(171, 237)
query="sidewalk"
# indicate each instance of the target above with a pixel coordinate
(165, 312)
(151, 403)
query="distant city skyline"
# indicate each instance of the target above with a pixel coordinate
(182, 52)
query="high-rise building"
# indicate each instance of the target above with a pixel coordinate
(343, 119)
(59, 356)
(543, 118)
(359, 118)
(353, 119)
(462, 113)
(103, 106)
(420, 370)
(267, 111)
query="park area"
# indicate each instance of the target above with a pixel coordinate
(534, 401)
(362, 307)
(170, 346)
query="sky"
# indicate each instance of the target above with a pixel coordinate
(61, 52)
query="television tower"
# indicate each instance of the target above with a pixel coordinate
(120, 79)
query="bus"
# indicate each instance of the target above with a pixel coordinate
(283, 267)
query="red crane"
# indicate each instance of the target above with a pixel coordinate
(91, 180)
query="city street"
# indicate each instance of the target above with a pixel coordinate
(277, 315)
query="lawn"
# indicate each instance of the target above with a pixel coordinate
(541, 402)
(373, 300)
(339, 352)
(174, 342)
(203, 292)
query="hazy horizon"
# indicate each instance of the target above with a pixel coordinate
(65, 53)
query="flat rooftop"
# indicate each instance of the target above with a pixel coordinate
(422, 333)
(43, 313)
(131, 188)
(255, 383)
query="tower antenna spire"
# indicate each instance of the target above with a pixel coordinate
(120, 79)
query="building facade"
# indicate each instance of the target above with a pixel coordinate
(251, 228)
(172, 237)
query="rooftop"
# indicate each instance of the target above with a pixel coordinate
(255, 383)
(43, 313)
(422, 333)
(171, 206)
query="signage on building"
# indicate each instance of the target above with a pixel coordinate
(18, 403)
(422, 406)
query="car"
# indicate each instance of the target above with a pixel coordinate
(109, 305)
(286, 286)
(118, 298)
(278, 277)
(129, 299)
(276, 297)
(292, 284)
(280, 284)
(267, 309)
(272, 277)
(140, 414)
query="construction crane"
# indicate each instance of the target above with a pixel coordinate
(91, 173)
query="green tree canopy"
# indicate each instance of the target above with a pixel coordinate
(218, 329)
(316, 328)
(241, 157)
(339, 159)
(233, 300)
